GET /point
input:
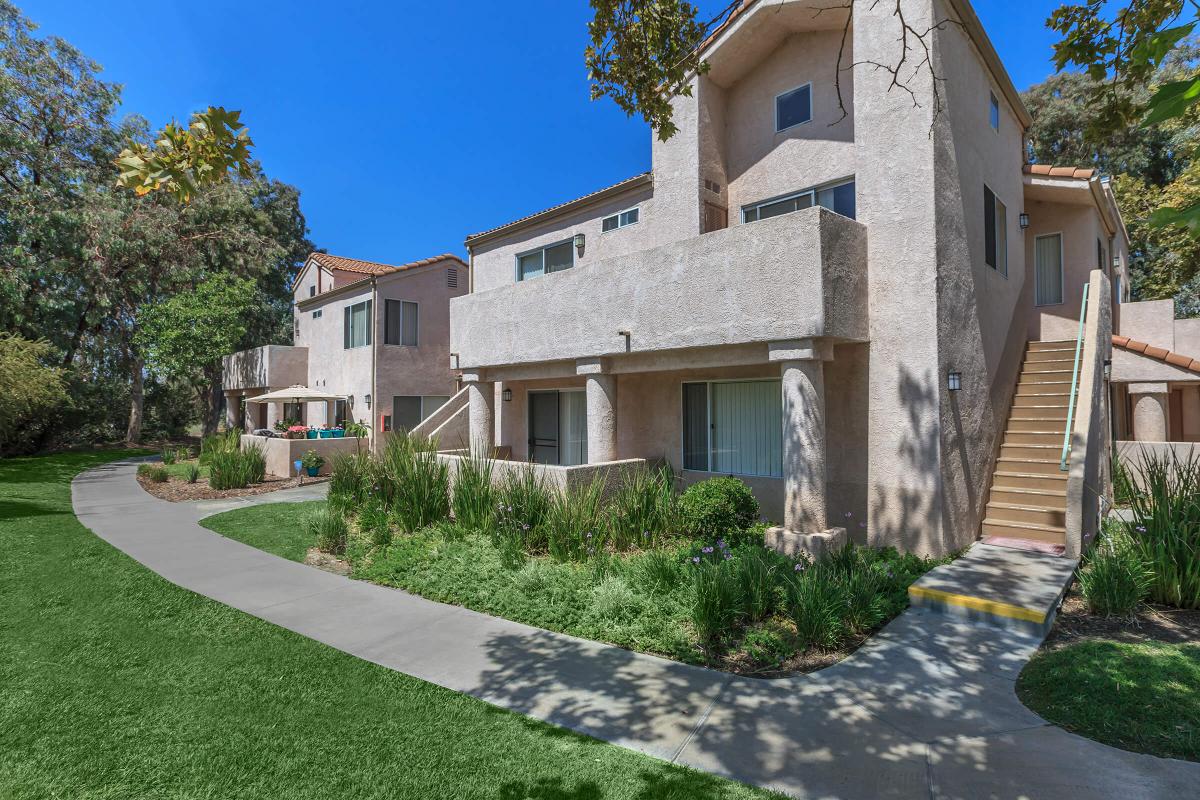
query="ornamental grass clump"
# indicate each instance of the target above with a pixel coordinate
(718, 601)
(1165, 527)
(1114, 579)
(192, 472)
(349, 484)
(154, 473)
(219, 443)
(236, 469)
(658, 571)
(168, 455)
(642, 511)
(374, 523)
(759, 570)
(419, 483)
(522, 503)
(572, 526)
(473, 498)
(816, 602)
(328, 530)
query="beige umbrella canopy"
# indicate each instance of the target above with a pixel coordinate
(296, 394)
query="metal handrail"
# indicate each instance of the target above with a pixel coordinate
(1066, 451)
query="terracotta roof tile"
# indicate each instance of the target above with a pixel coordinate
(1157, 353)
(1049, 170)
(641, 176)
(374, 268)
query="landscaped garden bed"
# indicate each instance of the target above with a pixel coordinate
(636, 564)
(221, 468)
(1122, 664)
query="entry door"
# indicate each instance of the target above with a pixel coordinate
(543, 427)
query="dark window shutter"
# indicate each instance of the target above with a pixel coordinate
(989, 227)
(346, 328)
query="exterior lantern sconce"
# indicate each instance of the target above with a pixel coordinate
(1023, 219)
(1108, 369)
(367, 397)
(954, 381)
(580, 240)
(506, 395)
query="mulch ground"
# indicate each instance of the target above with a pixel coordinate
(178, 490)
(1150, 624)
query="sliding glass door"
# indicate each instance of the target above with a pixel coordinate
(558, 427)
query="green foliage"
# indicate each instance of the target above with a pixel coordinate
(182, 160)
(417, 483)
(32, 391)
(658, 571)
(1114, 579)
(192, 472)
(328, 530)
(226, 442)
(236, 468)
(641, 512)
(717, 507)
(473, 500)
(312, 460)
(523, 502)
(817, 602)
(168, 455)
(759, 572)
(154, 473)
(349, 481)
(1165, 527)
(373, 521)
(718, 601)
(573, 527)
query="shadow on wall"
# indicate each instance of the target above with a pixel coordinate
(247, 369)
(905, 510)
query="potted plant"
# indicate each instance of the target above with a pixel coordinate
(282, 425)
(312, 433)
(296, 432)
(312, 462)
(326, 433)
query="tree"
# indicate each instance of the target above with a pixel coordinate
(32, 389)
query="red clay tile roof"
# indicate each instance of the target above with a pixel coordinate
(641, 176)
(1049, 170)
(1157, 353)
(373, 268)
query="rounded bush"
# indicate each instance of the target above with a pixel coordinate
(717, 507)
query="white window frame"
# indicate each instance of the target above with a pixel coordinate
(350, 333)
(517, 258)
(708, 427)
(811, 191)
(317, 314)
(1062, 270)
(993, 109)
(618, 216)
(810, 107)
(402, 302)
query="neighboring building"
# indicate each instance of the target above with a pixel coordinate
(1156, 376)
(833, 306)
(376, 333)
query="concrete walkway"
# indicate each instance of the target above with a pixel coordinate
(297, 494)
(925, 710)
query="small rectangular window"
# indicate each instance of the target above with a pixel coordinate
(406, 412)
(995, 232)
(624, 218)
(993, 111)
(793, 108)
(543, 261)
(312, 290)
(356, 325)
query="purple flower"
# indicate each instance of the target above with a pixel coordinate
(588, 534)
(1141, 528)
(728, 556)
(721, 543)
(862, 524)
(645, 534)
(799, 567)
(849, 515)
(706, 550)
(524, 527)
(695, 559)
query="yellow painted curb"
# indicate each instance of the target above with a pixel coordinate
(979, 604)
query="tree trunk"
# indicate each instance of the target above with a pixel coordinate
(133, 434)
(210, 400)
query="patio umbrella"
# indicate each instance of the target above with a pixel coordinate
(296, 394)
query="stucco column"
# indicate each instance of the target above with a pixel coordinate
(231, 410)
(1149, 411)
(805, 527)
(601, 410)
(481, 418)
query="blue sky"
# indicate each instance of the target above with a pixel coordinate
(407, 125)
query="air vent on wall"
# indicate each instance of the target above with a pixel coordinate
(451, 278)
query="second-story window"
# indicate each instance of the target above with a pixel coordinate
(793, 108)
(400, 322)
(356, 325)
(621, 220)
(544, 260)
(312, 291)
(838, 198)
(993, 111)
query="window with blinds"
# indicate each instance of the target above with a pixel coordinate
(400, 322)
(356, 325)
(1048, 270)
(733, 427)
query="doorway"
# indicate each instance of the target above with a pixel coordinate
(558, 427)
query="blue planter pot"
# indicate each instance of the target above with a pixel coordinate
(312, 435)
(339, 433)
(326, 434)
(312, 471)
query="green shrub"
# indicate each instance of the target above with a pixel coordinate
(613, 602)
(219, 443)
(641, 512)
(154, 473)
(522, 503)
(658, 571)
(718, 507)
(572, 527)
(817, 602)
(717, 602)
(374, 523)
(768, 647)
(1165, 527)
(236, 469)
(417, 482)
(348, 482)
(168, 455)
(758, 570)
(328, 530)
(1114, 580)
(192, 472)
(473, 500)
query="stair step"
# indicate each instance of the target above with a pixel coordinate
(1036, 466)
(1028, 496)
(1031, 424)
(1049, 365)
(1015, 478)
(1060, 393)
(1036, 452)
(1056, 345)
(1065, 353)
(1042, 405)
(1030, 378)
(1032, 437)
(1054, 534)
(1027, 514)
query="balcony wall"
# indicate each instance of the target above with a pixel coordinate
(271, 366)
(795, 276)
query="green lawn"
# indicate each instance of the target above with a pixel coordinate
(179, 469)
(276, 527)
(1140, 697)
(117, 684)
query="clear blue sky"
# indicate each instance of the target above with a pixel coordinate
(407, 125)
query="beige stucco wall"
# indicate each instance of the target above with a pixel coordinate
(1079, 226)
(792, 276)
(331, 367)
(270, 366)
(761, 163)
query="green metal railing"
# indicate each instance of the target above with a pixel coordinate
(1071, 400)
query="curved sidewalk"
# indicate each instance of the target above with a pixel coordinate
(926, 709)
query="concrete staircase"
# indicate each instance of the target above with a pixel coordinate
(1028, 501)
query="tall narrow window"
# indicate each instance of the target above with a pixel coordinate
(995, 232)
(408, 324)
(993, 111)
(734, 427)
(1048, 268)
(356, 325)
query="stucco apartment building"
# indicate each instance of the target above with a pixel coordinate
(865, 314)
(376, 334)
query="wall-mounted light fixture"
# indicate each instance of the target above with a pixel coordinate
(1023, 220)
(627, 335)
(579, 243)
(1107, 369)
(367, 397)
(506, 394)
(954, 381)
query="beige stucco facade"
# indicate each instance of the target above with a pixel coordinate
(1156, 391)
